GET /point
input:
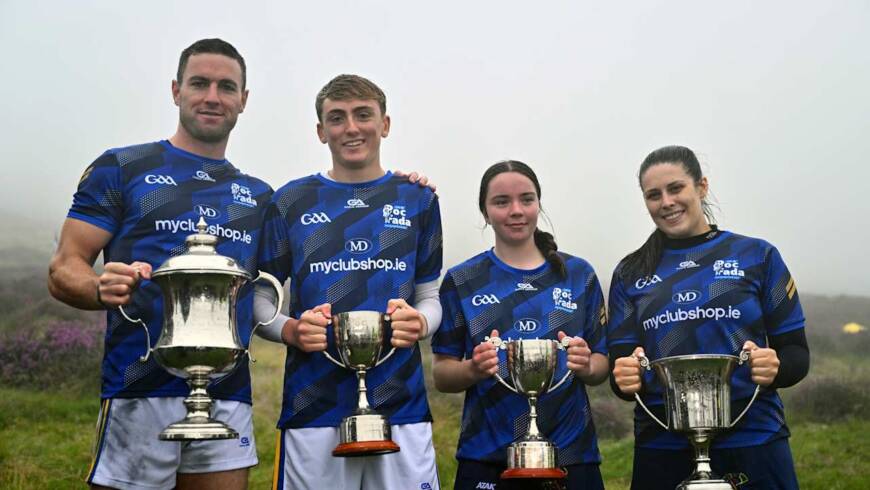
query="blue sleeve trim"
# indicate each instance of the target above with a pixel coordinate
(110, 227)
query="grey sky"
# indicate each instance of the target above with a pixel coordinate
(773, 96)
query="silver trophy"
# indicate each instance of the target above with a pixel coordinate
(532, 365)
(359, 339)
(698, 404)
(199, 340)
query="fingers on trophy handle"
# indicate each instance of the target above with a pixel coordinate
(147, 354)
(744, 356)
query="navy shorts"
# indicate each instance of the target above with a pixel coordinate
(768, 467)
(474, 475)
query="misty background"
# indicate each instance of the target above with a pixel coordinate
(772, 96)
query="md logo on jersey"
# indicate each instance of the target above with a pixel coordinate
(206, 211)
(524, 286)
(314, 219)
(395, 217)
(355, 204)
(484, 299)
(647, 281)
(562, 300)
(160, 179)
(727, 269)
(526, 325)
(242, 195)
(358, 245)
(686, 297)
(203, 176)
(687, 264)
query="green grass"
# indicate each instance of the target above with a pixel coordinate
(47, 438)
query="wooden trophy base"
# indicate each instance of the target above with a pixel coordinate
(365, 448)
(536, 473)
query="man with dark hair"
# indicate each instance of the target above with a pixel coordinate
(355, 237)
(135, 205)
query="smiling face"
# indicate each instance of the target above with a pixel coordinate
(512, 208)
(673, 200)
(353, 130)
(210, 97)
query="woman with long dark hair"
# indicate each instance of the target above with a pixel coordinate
(695, 289)
(522, 288)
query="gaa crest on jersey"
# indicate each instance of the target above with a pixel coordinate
(484, 299)
(728, 269)
(242, 195)
(562, 300)
(396, 217)
(647, 281)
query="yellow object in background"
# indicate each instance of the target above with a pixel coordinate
(853, 328)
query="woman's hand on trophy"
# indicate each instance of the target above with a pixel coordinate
(309, 332)
(763, 363)
(116, 284)
(579, 355)
(408, 324)
(627, 372)
(484, 359)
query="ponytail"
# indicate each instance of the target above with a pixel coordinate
(644, 261)
(547, 246)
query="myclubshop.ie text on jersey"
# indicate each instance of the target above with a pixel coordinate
(355, 246)
(149, 197)
(710, 298)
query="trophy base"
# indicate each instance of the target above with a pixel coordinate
(186, 430)
(364, 435)
(532, 458)
(705, 485)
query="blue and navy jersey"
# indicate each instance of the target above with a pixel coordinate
(708, 299)
(482, 294)
(149, 197)
(355, 246)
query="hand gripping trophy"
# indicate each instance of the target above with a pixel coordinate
(698, 404)
(532, 365)
(199, 340)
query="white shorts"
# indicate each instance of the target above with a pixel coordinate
(304, 460)
(128, 454)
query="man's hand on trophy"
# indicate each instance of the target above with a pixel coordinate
(627, 372)
(763, 363)
(579, 355)
(484, 359)
(308, 333)
(116, 284)
(408, 324)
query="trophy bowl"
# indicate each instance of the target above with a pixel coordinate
(359, 339)
(531, 364)
(697, 391)
(199, 340)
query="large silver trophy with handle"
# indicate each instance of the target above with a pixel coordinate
(532, 366)
(698, 404)
(359, 339)
(199, 340)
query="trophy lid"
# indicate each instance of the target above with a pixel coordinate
(201, 257)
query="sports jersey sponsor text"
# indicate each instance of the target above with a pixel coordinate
(696, 313)
(686, 297)
(355, 204)
(369, 264)
(484, 299)
(526, 325)
(206, 211)
(485, 485)
(203, 176)
(242, 195)
(358, 245)
(395, 217)
(160, 179)
(562, 300)
(687, 264)
(647, 281)
(728, 269)
(524, 286)
(314, 218)
(189, 226)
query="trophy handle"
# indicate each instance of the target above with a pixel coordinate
(644, 364)
(145, 327)
(392, 351)
(744, 357)
(562, 345)
(278, 289)
(499, 344)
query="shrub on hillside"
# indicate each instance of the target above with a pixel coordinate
(63, 354)
(827, 399)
